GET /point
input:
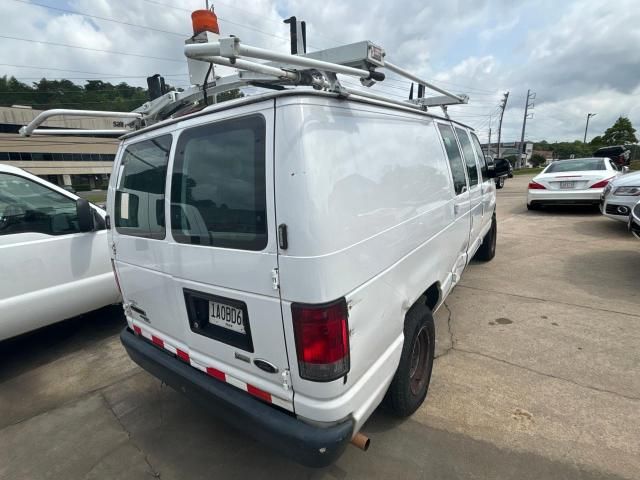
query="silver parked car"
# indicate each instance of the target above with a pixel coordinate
(634, 220)
(619, 197)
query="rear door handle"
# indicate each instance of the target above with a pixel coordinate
(456, 209)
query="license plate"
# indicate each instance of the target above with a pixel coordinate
(226, 316)
(567, 184)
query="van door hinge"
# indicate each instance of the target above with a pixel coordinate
(286, 380)
(113, 248)
(275, 279)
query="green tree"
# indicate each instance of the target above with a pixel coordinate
(511, 159)
(563, 150)
(596, 143)
(620, 133)
(94, 95)
(537, 160)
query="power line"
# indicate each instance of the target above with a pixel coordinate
(223, 20)
(90, 49)
(106, 19)
(40, 67)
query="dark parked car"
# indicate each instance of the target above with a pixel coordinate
(505, 166)
(620, 154)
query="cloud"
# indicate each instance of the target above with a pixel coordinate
(579, 56)
(500, 28)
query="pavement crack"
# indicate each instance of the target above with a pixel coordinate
(545, 374)
(452, 338)
(155, 473)
(71, 401)
(559, 302)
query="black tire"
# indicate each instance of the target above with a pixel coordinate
(410, 384)
(499, 182)
(487, 250)
(533, 206)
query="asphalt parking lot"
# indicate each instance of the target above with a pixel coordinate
(537, 376)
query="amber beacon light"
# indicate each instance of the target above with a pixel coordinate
(204, 21)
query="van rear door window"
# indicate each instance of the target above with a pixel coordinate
(469, 156)
(139, 206)
(454, 156)
(218, 192)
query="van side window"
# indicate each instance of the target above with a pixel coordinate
(139, 206)
(218, 192)
(27, 206)
(482, 159)
(469, 156)
(455, 158)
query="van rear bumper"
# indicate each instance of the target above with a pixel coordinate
(307, 444)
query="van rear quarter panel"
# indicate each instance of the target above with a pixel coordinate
(367, 198)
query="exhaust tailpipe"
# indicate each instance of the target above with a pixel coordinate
(361, 441)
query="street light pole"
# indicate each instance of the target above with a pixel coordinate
(589, 115)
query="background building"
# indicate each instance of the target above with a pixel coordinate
(511, 149)
(81, 162)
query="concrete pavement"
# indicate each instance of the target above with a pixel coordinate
(537, 376)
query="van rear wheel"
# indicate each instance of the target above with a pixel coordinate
(410, 384)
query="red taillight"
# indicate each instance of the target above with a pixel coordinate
(536, 186)
(601, 183)
(322, 340)
(115, 274)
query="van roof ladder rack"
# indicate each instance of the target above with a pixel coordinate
(261, 67)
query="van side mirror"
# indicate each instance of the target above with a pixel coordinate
(85, 215)
(625, 169)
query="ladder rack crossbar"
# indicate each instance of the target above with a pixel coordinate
(79, 132)
(29, 129)
(404, 73)
(232, 48)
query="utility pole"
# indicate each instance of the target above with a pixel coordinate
(589, 115)
(503, 105)
(527, 106)
(489, 147)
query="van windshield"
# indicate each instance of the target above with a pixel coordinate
(218, 193)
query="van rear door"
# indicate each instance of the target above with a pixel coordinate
(475, 190)
(461, 226)
(223, 256)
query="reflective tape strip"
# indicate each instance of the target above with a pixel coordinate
(211, 371)
(215, 373)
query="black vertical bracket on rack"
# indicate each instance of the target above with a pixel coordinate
(297, 34)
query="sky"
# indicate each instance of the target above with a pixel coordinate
(578, 57)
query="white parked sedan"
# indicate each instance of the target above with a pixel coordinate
(54, 256)
(620, 196)
(578, 181)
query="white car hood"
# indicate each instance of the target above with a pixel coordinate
(629, 179)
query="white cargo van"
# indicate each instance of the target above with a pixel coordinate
(281, 255)
(286, 253)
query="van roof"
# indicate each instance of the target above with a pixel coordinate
(281, 93)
